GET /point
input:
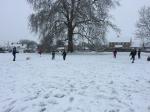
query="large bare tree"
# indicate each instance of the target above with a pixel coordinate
(143, 25)
(71, 19)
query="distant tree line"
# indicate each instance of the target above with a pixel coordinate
(30, 44)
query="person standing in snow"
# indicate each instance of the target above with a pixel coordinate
(139, 53)
(133, 54)
(64, 55)
(53, 55)
(115, 53)
(14, 51)
(40, 51)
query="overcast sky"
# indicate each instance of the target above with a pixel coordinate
(14, 19)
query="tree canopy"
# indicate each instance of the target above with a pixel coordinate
(143, 24)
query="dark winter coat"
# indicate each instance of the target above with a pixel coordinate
(14, 51)
(148, 58)
(139, 52)
(64, 53)
(115, 52)
(53, 53)
(133, 53)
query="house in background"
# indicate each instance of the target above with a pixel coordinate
(20, 47)
(8, 46)
(120, 44)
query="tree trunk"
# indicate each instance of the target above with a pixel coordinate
(70, 40)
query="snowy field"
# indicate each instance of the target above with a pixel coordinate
(82, 83)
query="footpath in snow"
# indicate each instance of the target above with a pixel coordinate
(82, 83)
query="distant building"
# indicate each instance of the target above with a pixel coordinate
(20, 47)
(118, 43)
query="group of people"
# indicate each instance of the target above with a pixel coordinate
(64, 54)
(133, 53)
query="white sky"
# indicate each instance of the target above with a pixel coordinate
(14, 19)
(126, 17)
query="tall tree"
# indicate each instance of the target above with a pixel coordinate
(71, 17)
(143, 24)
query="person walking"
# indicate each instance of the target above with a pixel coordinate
(53, 55)
(64, 55)
(14, 51)
(115, 53)
(133, 54)
(40, 51)
(139, 53)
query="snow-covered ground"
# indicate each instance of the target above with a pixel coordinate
(82, 83)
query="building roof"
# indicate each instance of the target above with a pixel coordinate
(120, 40)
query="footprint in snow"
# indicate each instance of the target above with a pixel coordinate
(59, 95)
(84, 87)
(92, 82)
(8, 99)
(71, 99)
(53, 102)
(42, 110)
(31, 98)
(148, 108)
(114, 91)
(137, 80)
(117, 110)
(111, 82)
(46, 96)
(42, 104)
(9, 109)
(23, 109)
(12, 103)
(68, 109)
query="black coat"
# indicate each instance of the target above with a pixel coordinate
(14, 51)
(133, 53)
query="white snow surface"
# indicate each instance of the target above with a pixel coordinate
(82, 83)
